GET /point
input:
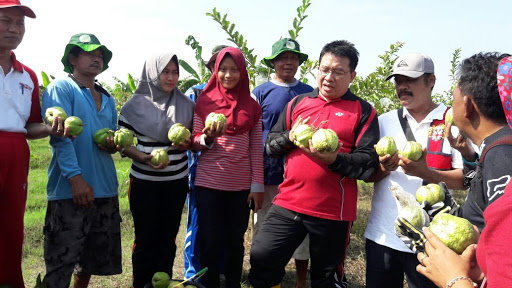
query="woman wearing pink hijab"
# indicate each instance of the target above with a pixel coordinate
(229, 174)
(490, 262)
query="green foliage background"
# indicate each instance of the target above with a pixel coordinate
(373, 88)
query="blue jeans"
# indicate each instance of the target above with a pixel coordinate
(387, 265)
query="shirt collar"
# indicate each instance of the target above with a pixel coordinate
(97, 86)
(347, 96)
(16, 65)
(436, 114)
(282, 84)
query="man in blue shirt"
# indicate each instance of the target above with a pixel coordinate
(273, 97)
(82, 225)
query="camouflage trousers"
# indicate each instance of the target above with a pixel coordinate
(84, 241)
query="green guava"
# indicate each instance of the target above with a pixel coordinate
(325, 140)
(160, 156)
(75, 124)
(123, 137)
(52, 112)
(160, 280)
(178, 134)
(385, 146)
(455, 232)
(412, 150)
(302, 134)
(214, 118)
(432, 193)
(413, 214)
(101, 135)
(175, 284)
(448, 118)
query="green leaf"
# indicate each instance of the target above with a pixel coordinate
(188, 68)
(131, 83)
(46, 80)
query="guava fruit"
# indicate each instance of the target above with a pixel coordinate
(302, 134)
(178, 134)
(123, 137)
(325, 140)
(432, 193)
(448, 118)
(414, 214)
(214, 118)
(455, 232)
(175, 284)
(412, 151)
(385, 146)
(52, 112)
(75, 124)
(160, 280)
(160, 156)
(101, 135)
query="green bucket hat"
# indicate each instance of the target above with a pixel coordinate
(283, 45)
(215, 52)
(87, 42)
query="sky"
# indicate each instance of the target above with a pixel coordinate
(135, 29)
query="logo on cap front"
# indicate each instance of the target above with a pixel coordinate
(85, 38)
(290, 45)
(402, 64)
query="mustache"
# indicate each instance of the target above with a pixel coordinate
(405, 93)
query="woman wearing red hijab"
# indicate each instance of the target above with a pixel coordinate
(230, 170)
(489, 262)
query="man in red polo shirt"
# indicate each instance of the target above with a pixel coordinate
(318, 196)
(21, 120)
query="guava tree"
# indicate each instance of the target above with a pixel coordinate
(255, 68)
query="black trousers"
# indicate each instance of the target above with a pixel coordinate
(156, 208)
(387, 265)
(218, 213)
(282, 232)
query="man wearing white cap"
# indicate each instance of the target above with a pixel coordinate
(21, 120)
(421, 120)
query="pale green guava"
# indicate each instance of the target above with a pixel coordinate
(178, 134)
(455, 232)
(385, 146)
(325, 140)
(412, 150)
(160, 280)
(75, 124)
(52, 112)
(432, 193)
(123, 137)
(214, 118)
(302, 134)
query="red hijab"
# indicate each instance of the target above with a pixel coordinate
(241, 111)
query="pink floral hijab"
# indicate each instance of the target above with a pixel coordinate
(505, 86)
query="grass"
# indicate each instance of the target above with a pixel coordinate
(33, 262)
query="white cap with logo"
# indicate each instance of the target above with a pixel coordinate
(412, 65)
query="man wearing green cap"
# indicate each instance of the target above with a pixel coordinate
(273, 96)
(82, 225)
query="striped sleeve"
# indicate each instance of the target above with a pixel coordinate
(177, 169)
(256, 156)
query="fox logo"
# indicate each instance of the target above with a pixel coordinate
(497, 186)
(339, 114)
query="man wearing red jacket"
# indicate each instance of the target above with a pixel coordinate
(319, 193)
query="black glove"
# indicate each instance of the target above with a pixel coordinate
(410, 235)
